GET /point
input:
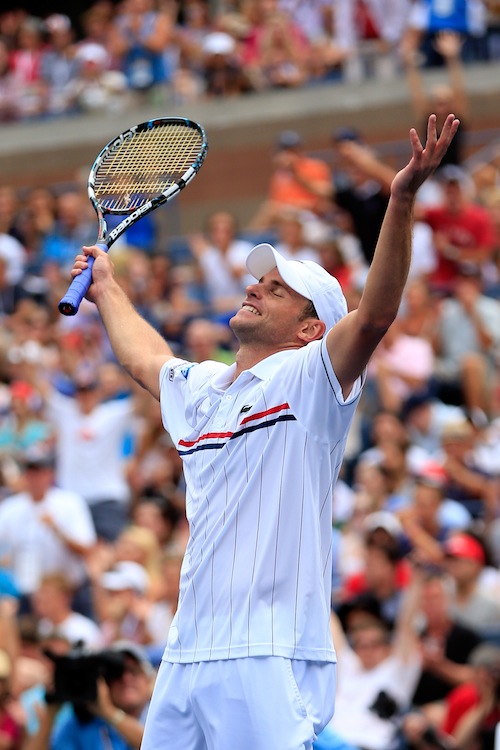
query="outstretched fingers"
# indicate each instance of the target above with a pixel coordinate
(416, 144)
(425, 158)
(436, 146)
(432, 130)
(448, 131)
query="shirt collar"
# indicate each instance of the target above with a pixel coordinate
(268, 366)
(263, 370)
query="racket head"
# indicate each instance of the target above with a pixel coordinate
(146, 165)
(135, 173)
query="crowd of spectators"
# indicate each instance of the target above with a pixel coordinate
(92, 525)
(165, 51)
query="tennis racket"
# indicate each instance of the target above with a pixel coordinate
(136, 172)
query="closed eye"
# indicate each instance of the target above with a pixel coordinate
(278, 289)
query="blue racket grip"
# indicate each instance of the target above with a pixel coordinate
(79, 287)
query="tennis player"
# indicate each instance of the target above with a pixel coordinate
(249, 660)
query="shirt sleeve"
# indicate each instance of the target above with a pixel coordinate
(315, 394)
(459, 702)
(183, 392)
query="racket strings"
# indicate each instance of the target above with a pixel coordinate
(144, 166)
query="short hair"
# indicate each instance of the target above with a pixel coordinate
(309, 311)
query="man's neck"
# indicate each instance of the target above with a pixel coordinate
(247, 357)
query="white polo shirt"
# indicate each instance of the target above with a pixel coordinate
(261, 456)
(32, 548)
(92, 440)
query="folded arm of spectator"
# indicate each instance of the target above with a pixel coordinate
(426, 548)
(122, 38)
(71, 544)
(477, 254)
(435, 661)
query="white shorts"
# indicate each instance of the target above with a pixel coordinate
(255, 703)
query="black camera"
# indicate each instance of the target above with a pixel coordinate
(434, 739)
(76, 674)
(384, 706)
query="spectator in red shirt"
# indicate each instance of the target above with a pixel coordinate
(473, 709)
(464, 232)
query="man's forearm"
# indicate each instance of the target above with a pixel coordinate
(391, 262)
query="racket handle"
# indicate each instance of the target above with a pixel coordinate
(79, 287)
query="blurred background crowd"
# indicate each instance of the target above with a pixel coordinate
(92, 526)
(54, 64)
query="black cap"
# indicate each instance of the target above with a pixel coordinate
(39, 456)
(347, 134)
(363, 602)
(289, 139)
(415, 401)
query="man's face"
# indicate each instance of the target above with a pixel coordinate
(132, 690)
(270, 314)
(435, 601)
(371, 647)
(462, 569)
(38, 479)
(453, 195)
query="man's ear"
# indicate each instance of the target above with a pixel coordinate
(311, 329)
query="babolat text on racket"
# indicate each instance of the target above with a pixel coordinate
(136, 172)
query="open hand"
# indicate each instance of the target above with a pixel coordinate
(425, 159)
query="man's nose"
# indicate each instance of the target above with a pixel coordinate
(253, 289)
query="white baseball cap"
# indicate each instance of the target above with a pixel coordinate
(125, 575)
(307, 278)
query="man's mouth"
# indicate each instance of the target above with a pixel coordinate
(251, 309)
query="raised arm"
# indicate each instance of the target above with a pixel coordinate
(352, 341)
(138, 347)
(419, 100)
(449, 45)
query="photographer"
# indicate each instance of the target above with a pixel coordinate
(114, 719)
(473, 709)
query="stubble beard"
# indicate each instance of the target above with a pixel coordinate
(244, 332)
